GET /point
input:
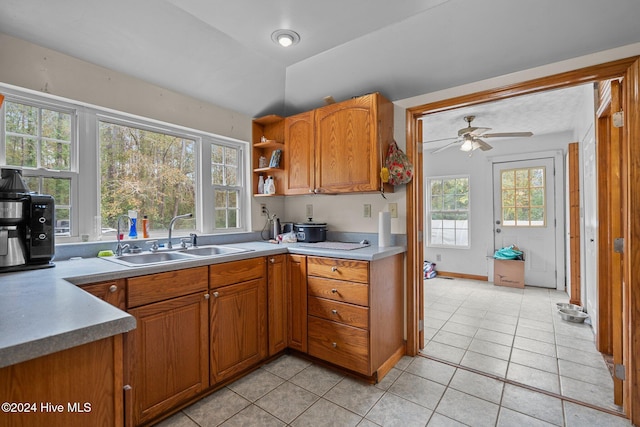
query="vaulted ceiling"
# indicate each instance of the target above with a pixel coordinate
(221, 51)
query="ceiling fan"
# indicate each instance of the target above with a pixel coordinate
(469, 138)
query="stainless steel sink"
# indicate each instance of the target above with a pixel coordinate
(153, 258)
(213, 250)
(148, 258)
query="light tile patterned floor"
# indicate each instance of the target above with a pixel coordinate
(512, 334)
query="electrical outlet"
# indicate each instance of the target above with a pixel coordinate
(367, 211)
(263, 209)
(393, 208)
(438, 257)
(309, 211)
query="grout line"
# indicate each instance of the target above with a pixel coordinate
(526, 386)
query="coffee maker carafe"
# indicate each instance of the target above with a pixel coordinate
(26, 225)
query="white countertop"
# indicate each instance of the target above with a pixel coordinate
(43, 311)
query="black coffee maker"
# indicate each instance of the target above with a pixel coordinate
(27, 235)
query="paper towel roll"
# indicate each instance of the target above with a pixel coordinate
(384, 229)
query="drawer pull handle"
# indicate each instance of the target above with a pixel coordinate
(215, 294)
(334, 268)
(113, 288)
(334, 291)
(334, 311)
(334, 344)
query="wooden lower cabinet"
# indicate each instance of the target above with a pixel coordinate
(355, 313)
(168, 352)
(277, 302)
(113, 292)
(297, 302)
(85, 380)
(238, 317)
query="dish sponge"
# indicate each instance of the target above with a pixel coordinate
(105, 253)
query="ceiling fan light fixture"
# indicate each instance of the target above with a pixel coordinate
(285, 38)
(467, 145)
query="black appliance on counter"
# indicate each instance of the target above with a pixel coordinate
(27, 235)
(311, 232)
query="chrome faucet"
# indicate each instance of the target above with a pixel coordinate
(189, 215)
(120, 248)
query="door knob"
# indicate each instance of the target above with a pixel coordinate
(498, 230)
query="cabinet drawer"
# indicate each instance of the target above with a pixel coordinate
(339, 290)
(229, 273)
(342, 345)
(349, 314)
(341, 269)
(162, 286)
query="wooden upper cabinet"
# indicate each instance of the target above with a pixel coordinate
(351, 139)
(299, 154)
(338, 148)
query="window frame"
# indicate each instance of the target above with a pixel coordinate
(429, 211)
(241, 185)
(73, 174)
(85, 183)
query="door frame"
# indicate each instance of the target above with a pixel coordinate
(629, 69)
(558, 200)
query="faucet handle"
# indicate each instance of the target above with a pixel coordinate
(183, 242)
(154, 245)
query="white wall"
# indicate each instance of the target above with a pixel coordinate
(474, 261)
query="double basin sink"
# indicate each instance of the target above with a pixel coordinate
(162, 257)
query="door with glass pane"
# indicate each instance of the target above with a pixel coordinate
(524, 215)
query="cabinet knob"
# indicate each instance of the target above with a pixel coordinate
(206, 296)
(215, 294)
(113, 288)
(334, 291)
(334, 268)
(272, 260)
(334, 344)
(334, 311)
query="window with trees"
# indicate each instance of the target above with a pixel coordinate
(523, 201)
(147, 171)
(41, 141)
(121, 163)
(226, 178)
(448, 211)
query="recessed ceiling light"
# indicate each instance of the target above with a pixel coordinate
(285, 38)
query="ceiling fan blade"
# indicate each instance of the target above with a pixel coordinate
(479, 131)
(482, 145)
(467, 130)
(449, 145)
(438, 140)
(507, 135)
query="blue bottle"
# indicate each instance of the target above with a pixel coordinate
(133, 232)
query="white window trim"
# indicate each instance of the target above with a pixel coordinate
(428, 210)
(85, 191)
(244, 202)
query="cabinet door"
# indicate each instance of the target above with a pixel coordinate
(346, 141)
(112, 292)
(168, 353)
(297, 302)
(277, 301)
(299, 154)
(238, 328)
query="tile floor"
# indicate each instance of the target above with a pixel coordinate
(513, 335)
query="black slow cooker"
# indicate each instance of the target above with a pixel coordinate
(310, 232)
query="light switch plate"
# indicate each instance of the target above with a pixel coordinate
(309, 211)
(367, 211)
(393, 209)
